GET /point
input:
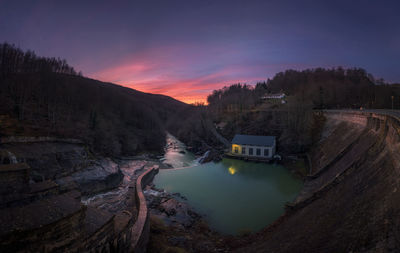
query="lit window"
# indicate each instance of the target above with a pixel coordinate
(236, 149)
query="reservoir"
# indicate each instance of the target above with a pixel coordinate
(234, 196)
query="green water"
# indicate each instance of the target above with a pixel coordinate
(235, 196)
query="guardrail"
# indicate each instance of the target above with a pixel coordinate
(395, 114)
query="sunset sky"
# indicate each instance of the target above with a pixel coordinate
(186, 49)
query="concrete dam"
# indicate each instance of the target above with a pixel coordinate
(350, 200)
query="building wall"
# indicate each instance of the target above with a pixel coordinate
(239, 149)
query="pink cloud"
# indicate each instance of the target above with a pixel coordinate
(189, 90)
(183, 72)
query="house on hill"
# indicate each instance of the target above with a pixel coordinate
(253, 146)
(275, 98)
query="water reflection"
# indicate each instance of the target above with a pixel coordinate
(234, 194)
(232, 170)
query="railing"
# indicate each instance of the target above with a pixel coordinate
(395, 114)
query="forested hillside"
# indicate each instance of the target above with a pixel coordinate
(337, 88)
(324, 88)
(240, 108)
(45, 96)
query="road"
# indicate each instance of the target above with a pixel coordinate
(388, 112)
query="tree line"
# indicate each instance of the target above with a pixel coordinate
(333, 88)
(337, 88)
(14, 60)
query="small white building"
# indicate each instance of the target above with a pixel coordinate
(253, 146)
(275, 98)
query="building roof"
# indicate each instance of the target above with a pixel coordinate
(276, 95)
(254, 140)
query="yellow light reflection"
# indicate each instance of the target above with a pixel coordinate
(232, 170)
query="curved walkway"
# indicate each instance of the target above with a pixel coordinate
(141, 229)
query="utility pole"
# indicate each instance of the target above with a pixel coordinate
(392, 102)
(321, 95)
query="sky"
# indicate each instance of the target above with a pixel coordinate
(186, 48)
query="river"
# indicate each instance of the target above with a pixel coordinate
(234, 196)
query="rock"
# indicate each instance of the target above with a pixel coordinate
(193, 214)
(104, 175)
(67, 184)
(211, 155)
(166, 166)
(204, 157)
(204, 246)
(36, 177)
(170, 212)
(179, 196)
(173, 212)
(177, 241)
(50, 160)
(217, 158)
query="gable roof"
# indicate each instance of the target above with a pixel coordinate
(254, 140)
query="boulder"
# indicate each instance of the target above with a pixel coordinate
(211, 155)
(101, 176)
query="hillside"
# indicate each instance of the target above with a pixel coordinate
(337, 88)
(45, 97)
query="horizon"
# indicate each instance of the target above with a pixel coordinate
(187, 49)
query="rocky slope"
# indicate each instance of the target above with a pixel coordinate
(69, 164)
(47, 201)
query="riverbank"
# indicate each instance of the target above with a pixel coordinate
(176, 227)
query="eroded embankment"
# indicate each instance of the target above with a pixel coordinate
(350, 203)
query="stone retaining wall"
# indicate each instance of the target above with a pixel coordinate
(27, 139)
